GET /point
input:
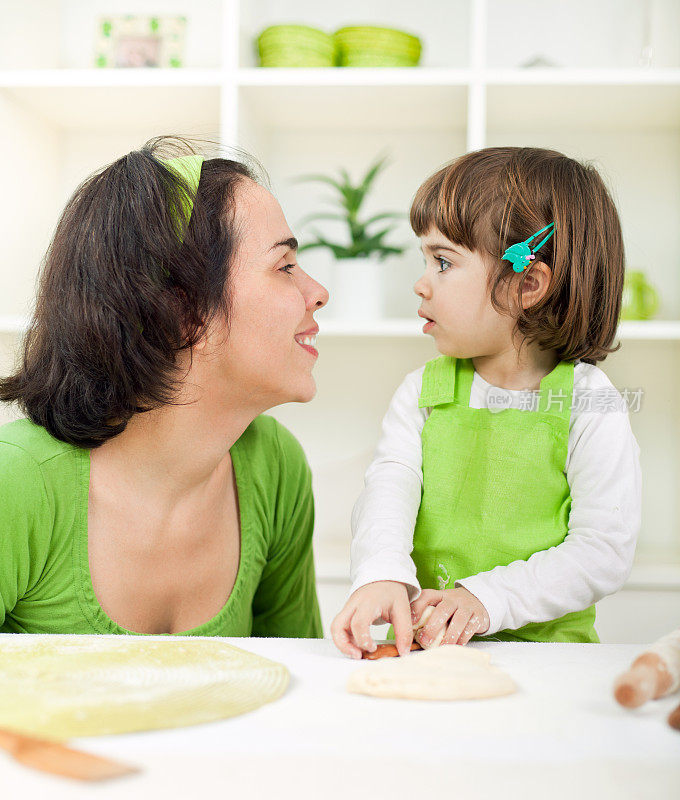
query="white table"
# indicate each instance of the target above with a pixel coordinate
(561, 736)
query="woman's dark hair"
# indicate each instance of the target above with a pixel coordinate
(490, 199)
(121, 293)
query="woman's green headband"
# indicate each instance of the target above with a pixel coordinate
(188, 169)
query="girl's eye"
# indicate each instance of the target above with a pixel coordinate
(287, 269)
(442, 262)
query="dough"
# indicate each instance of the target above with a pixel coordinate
(449, 672)
(60, 686)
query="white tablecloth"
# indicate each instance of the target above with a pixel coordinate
(561, 735)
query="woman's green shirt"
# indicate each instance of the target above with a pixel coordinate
(45, 582)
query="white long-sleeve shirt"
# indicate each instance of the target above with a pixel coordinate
(603, 473)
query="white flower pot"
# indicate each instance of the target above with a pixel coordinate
(358, 290)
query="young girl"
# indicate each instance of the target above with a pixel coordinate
(506, 483)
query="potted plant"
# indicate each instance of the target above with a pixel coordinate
(357, 290)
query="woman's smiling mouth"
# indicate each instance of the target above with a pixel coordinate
(307, 340)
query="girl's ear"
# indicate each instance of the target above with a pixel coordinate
(535, 284)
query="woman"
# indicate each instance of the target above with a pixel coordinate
(145, 493)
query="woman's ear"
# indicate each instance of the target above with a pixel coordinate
(535, 284)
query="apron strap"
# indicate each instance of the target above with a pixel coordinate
(446, 380)
(557, 391)
(438, 382)
(449, 380)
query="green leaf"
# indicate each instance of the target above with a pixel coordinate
(311, 246)
(320, 179)
(385, 215)
(372, 173)
(338, 250)
(345, 176)
(322, 215)
(351, 198)
(385, 251)
(376, 239)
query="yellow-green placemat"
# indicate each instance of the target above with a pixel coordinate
(62, 686)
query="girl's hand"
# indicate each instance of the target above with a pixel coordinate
(386, 599)
(456, 610)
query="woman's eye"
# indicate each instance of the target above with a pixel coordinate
(443, 263)
(287, 269)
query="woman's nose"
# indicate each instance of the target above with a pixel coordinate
(316, 295)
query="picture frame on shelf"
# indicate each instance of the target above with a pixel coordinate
(140, 42)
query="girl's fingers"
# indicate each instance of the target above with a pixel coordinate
(400, 617)
(428, 597)
(470, 629)
(360, 626)
(341, 636)
(436, 624)
(346, 645)
(457, 625)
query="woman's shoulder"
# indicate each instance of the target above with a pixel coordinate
(24, 441)
(273, 450)
(27, 483)
(266, 435)
(275, 463)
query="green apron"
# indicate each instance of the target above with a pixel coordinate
(494, 487)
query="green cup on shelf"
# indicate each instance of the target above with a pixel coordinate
(295, 46)
(371, 46)
(640, 298)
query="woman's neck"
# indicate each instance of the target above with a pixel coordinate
(516, 369)
(176, 450)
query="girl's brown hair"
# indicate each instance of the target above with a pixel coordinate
(121, 293)
(490, 199)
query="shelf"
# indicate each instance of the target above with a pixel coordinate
(105, 78)
(332, 566)
(378, 328)
(582, 77)
(658, 330)
(12, 324)
(177, 100)
(377, 103)
(65, 33)
(654, 330)
(346, 76)
(174, 108)
(338, 76)
(598, 101)
(645, 576)
(401, 99)
(444, 26)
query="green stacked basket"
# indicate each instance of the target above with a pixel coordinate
(295, 46)
(368, 46)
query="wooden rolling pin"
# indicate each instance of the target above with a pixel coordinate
(654, 673)
(58, 759)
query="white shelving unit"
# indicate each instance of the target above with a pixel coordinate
(653, 330)
(62, 119)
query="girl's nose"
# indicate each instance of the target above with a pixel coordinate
(422, 287)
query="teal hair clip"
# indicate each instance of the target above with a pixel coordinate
(520, 254)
